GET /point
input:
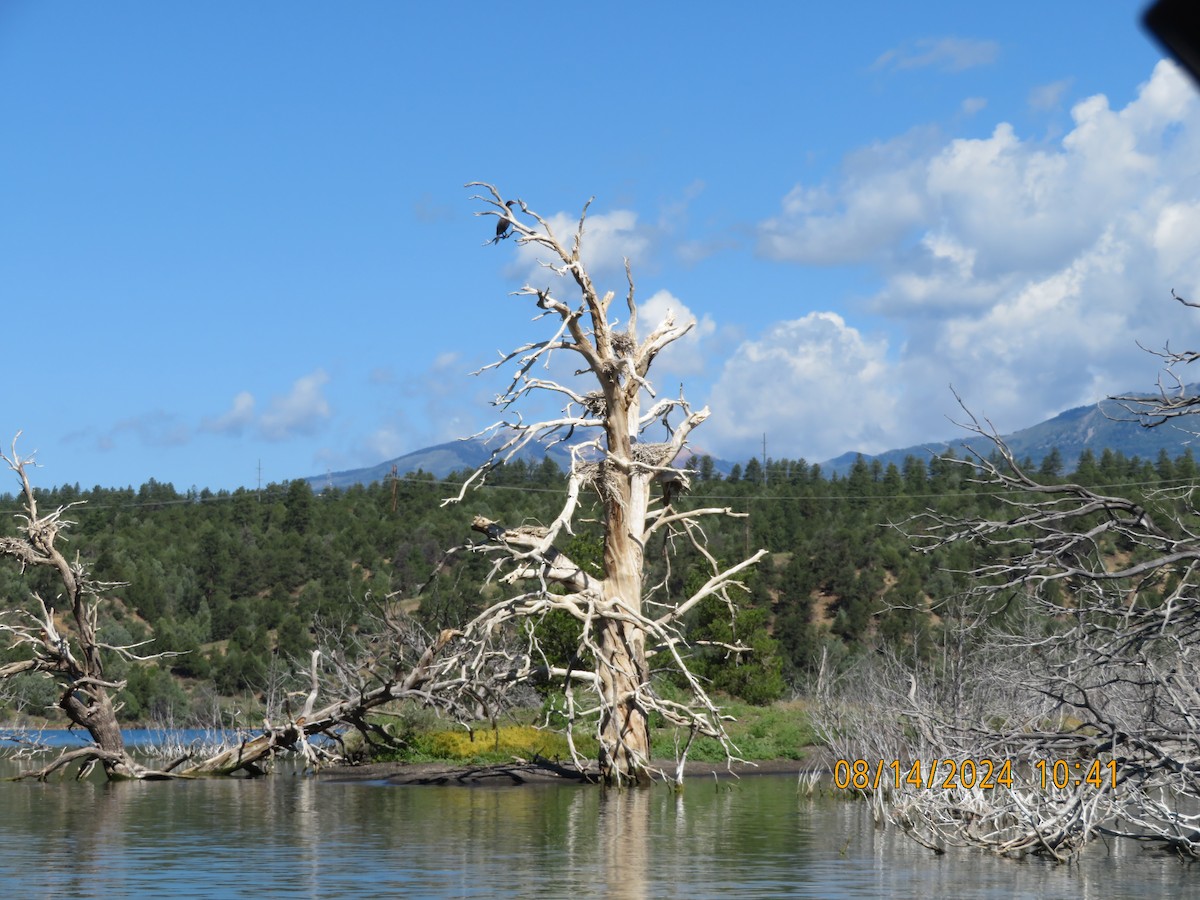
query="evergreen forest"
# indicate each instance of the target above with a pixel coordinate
(240, 584)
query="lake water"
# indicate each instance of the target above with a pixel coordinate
(290, 836)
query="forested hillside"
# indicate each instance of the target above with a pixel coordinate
(240, 582)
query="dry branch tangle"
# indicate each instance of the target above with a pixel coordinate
(1077, 642)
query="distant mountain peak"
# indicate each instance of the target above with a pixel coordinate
(1097, 427)
(439, 461)
(1106, 425)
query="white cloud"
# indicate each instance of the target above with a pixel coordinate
(1049, 96)
(1020, 205)
(1022, 272)
(685, 356)
(1177, 241)
(1041, 255)
(950, 54)
(301, 411)
(386, 443)
(153, 429)
(882, 199)
(609, 238)
(233, 422)
(814, 385)
(612, 236)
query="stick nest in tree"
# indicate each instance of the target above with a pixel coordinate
(623, 343)
(595, 404)
(656, 455)
(603, 477)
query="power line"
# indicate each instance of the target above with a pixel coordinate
(136, 502)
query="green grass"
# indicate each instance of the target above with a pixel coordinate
(779, 731)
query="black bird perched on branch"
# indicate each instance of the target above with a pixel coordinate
(503, 226)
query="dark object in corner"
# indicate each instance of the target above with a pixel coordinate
(1176, 25)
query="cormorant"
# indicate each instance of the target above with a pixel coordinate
(504, 224)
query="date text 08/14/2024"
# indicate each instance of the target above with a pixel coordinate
(986, 774)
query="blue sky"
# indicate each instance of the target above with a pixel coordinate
(236, 235)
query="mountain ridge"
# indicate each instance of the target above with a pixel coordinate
(1096, 427)
(1101, 426)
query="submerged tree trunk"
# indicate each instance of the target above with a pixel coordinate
(624, 725)
(621, 642)
(100, 720)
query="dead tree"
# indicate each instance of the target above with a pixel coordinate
(627, 440)
(1086, 666)
(59, 638)
(360, 688)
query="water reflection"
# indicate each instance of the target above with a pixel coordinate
(623, 822)
(291, 836)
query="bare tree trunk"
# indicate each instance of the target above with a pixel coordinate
(100, 720)
(624, 728)
(621, 644)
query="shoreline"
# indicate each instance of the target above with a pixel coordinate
(544, 771)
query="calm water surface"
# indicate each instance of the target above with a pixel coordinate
(292, 836)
